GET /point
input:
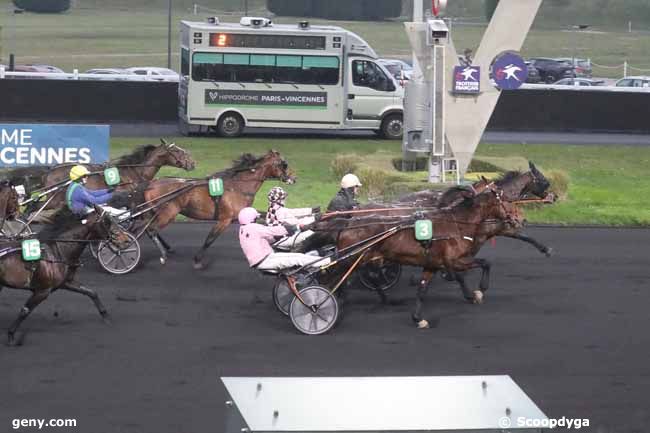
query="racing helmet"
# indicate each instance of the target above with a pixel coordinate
(77, 172)
(350, 181)
(277, 195)
(247, 215)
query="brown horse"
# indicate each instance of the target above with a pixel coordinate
(62, 244)
(8, 203)
(459, 234)
(139, 166)
(241, 182)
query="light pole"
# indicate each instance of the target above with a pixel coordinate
(169, 34)
(12, 34)
(576, 30)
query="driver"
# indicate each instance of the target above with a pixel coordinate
(345, 199)
(255, 241)
(278, 214)
(80, 199)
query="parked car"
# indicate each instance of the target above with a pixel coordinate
(397, 68)
(48, 68)
(640, 81)
(159, 74)
(551, 70)
(533, 74)
(108, 73)
(583, 82)
(582, 67)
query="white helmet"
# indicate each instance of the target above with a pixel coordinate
(349, 181)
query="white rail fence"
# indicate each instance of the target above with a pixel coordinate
(75, 75)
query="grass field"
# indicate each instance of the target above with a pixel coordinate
(88, 37)
(609, 185)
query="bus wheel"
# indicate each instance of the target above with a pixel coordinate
(230, 125)
(392, 126)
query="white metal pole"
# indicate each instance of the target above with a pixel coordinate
(418, 17)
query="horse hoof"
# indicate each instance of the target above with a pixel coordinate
(12, 341)
(549, 252)
(163, 260)
(198, 266)
(478, 297)
(423, 324)
(107, 319)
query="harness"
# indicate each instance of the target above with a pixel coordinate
(68, 195)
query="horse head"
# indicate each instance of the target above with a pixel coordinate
(277, 167)
(176, 156)
(104, 227)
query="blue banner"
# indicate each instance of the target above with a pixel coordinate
(23, 145)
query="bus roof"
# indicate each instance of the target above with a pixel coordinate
(355, 43)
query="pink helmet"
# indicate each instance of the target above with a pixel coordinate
(247, 215)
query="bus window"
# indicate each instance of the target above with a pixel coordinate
(265, 68)
(367, 74)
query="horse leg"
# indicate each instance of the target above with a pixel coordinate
(33, 301)
(78, 288)
(461, 266)
(155, 238)
(215, 232)
(164, 243)
(419, 300)
(547, 251)
(484, 284)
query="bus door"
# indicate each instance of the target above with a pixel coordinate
(370, 90)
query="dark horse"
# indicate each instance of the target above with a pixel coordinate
(241, 182)
(458, 234)
(8, 203)
(139, 166)
(61, 244)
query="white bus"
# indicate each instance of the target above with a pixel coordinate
(259, 74)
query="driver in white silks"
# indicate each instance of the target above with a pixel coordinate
(255, 241)
(277, 214)
(80, 200)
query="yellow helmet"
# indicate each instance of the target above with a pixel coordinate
(77, 172)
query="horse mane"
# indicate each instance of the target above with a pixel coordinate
(25, 175)
(448, 196)
(243, 163)
(506, 177)
(61, 222)
(138, 156)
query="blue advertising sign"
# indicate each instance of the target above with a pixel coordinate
(23, 145)
(509, 71)
(467, 79)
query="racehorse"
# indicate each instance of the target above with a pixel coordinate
(459, 234)
(62, 244)
(8, 202)
(192, 199)
(139, 166)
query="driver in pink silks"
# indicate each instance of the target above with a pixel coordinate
(255, 241)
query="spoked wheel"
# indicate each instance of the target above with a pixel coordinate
(319, 312)
(282, 294)
(380, 278)
(119, 261)
(13, 228)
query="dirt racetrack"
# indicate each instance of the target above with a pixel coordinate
(572, 331)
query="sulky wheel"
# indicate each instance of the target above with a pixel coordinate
(118, 261)
(380, 277)
(319, 312)
(15, 227)
(282, 294)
